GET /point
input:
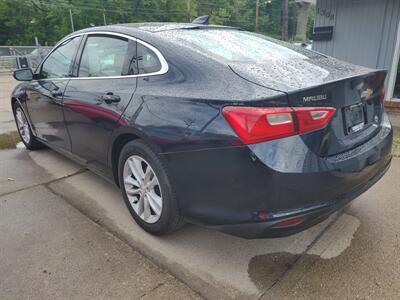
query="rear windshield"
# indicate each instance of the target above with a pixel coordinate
(234, 45)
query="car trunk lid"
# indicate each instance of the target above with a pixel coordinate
(354, 91)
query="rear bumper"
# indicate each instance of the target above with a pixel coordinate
(312, 215)
(227, 188)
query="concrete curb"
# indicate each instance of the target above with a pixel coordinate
(215, 265)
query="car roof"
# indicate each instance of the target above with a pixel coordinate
(147, 29)
(158, 27)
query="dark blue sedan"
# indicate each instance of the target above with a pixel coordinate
(210, 124)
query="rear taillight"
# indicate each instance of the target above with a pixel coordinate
(258, 124)
(310, 119)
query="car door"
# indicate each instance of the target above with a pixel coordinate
(96, 98)
(45, 95)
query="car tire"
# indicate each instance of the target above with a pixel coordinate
(24, 129)
(140, 194)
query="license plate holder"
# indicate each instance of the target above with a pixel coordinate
(354, 118)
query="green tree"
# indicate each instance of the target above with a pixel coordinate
(49, 20)
(310, 21)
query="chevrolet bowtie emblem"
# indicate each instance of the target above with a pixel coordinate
(367, 93)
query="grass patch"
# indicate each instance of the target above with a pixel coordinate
(396, 147)
(9, 140)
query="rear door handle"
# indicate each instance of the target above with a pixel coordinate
(110, 98)
(56, 93)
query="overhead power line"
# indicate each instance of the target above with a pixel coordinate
(126, 10)
(231, 15)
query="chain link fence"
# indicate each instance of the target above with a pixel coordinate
(17, 57)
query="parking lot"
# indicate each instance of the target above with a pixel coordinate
(65, 233)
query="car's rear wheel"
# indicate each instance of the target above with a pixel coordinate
(24, 129)
(147, 190)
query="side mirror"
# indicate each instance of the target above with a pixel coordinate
(23, 74)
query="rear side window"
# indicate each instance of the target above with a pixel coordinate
(58, 63)
(104, 56)
(147, 60)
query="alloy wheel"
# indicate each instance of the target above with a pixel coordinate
(143, 189)
(23, 126)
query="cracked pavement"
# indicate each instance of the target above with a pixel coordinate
(51, 250)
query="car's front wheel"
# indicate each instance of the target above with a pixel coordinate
(147, 190)
(24, 129)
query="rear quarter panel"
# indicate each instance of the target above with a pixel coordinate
(180, 110)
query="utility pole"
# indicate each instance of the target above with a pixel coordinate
(104, 17)
(189, 13)
(285, 19)
(257, 15)
(267, 15)
(72, 20)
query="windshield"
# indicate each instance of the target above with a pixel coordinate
(234, 45)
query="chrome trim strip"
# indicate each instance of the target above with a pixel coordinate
(164, 65)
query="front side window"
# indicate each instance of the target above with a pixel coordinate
(58, 63)
(104, 56)
(148, 61)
